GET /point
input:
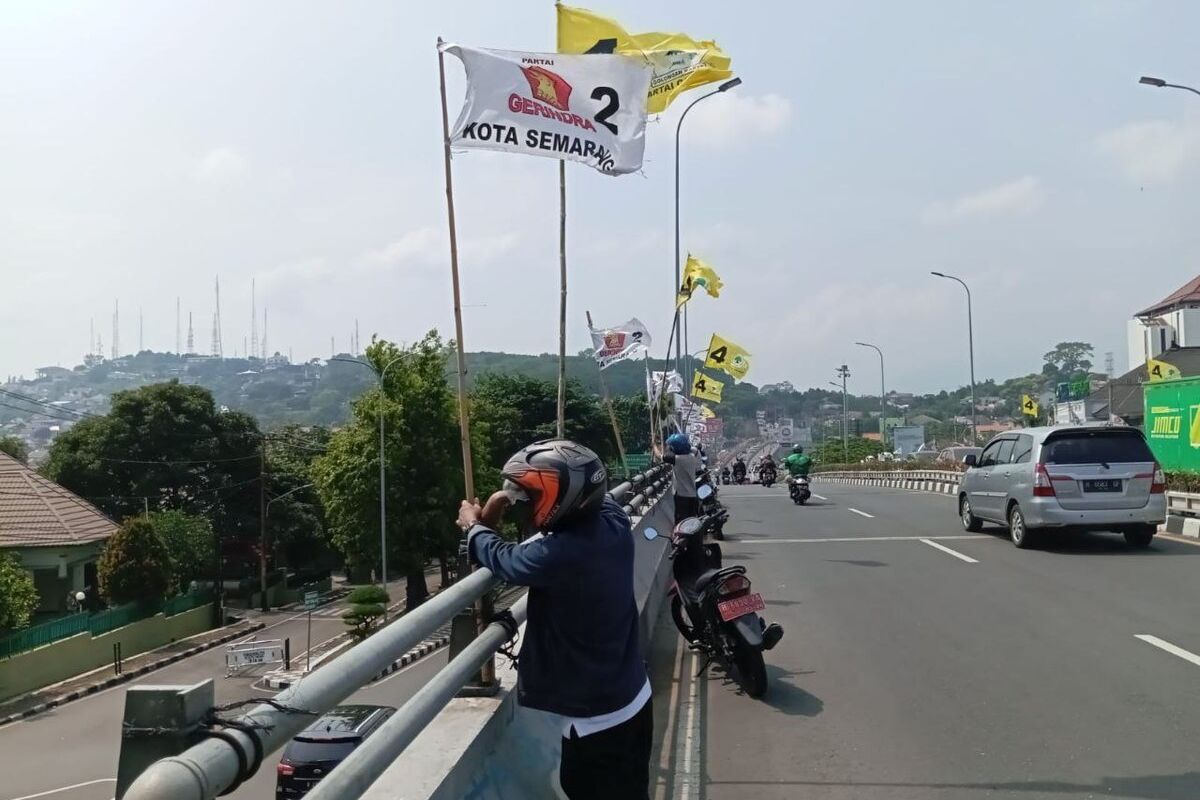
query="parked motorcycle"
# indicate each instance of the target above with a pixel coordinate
(798, 489)
(715, 611)
(711, 508)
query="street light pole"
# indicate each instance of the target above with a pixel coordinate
(1159, 83)
(844, 372)
(971, 350)
(882, 390)
(724, 87)
(381, 375)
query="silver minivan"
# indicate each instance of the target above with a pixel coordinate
(1093, 478)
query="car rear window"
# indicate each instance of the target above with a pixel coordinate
(1096, 447)
(302, 752)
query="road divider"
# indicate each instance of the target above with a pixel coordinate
(936, 481)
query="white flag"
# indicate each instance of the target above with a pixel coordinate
(619, 343)
(586, 108)
(673, 380)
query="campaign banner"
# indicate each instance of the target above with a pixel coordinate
(672, 381)
(585, 108)
(617, 344)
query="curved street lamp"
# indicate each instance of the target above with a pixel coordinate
(882, 391)
(1159, 83)
(381, 375)
(971, 350)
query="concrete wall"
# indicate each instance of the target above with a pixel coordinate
(83, 652)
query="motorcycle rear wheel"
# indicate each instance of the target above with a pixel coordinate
(751, 669)
(677, 615)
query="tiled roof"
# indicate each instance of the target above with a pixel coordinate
(1188, 293)
(1127, 389)
(37, 512)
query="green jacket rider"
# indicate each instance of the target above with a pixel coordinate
(798, 464)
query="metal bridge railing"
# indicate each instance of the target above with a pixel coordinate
(219, 763)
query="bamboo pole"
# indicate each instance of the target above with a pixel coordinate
(562, 300)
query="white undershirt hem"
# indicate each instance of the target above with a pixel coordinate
(586, 726)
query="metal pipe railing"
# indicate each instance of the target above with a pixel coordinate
(354, 776)
(209, 768)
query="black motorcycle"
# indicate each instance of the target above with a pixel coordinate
(766, 476)
(798, 489)
(710, 507)
(714, 609)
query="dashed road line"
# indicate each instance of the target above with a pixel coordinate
(947, 550)
(819, 497)
(861, 513)
(1174, 650)
(742, 542)
(64, 789)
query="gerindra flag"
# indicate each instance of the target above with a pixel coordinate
(619, 343)
(590, 109)
(679, 61)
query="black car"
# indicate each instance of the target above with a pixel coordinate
(320, 747)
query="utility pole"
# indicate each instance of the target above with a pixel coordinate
(262, 522)
(844, 372)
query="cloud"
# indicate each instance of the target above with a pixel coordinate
(730, 117)
(1020, 196)
(1151, 151)
(422, 244)
(221, 166)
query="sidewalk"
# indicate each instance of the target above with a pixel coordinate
(133, 667)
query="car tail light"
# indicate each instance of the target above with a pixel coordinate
(733, 585)
(284, 769)
(1159, 484)
(1042, 485)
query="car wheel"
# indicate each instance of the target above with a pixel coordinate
(1018, 531)
(970, 522)
(1141, 536)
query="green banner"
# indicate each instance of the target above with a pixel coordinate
(1173, 423)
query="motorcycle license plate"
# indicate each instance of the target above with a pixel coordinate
(740, 606)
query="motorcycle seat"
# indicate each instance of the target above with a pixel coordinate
(694, 588)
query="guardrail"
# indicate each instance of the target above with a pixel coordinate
(236, 750)
(921, 480)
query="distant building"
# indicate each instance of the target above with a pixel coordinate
(1173, 321)
(55, 534)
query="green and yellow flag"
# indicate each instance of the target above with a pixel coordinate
(706, 388)
(727, 357)
(1029, 406)
(707, 413)
(697, 275)
(1161, 370)
(678, 61)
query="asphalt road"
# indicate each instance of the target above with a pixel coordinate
(70, 753)
(908, 671)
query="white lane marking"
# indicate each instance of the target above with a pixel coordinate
(819, 497)
(689, 778)
(863, 539)
(861, 513)
(954, 553)
(664, 761)
(1170, 648)
(64, 788)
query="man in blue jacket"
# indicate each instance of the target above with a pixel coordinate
(581, 658)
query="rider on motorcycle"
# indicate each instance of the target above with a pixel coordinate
(798, 464)
(739, 470)
(767, 464)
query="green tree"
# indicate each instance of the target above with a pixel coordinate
(15, 447)
(190, 544)
(1067, 359)
(633, 417)
(857, 448)
(135, 565)
(18, 596)
(296, 522)
(423, 468)
(170, 446)
(367, 604)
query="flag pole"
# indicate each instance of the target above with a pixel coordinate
(562, 303)
(464, 422)
(612, 415)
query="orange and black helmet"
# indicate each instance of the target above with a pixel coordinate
(563, 479)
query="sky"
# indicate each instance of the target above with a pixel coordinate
(147, 148)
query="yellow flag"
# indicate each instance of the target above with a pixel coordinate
(1029, 406)
(697, 275)
(678, 62)
(707, 413)
(706, 388)
(1161, 370)
(727, 357)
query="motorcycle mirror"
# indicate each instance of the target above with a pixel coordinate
(651, 534)
(704, 492)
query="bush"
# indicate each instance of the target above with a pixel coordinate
(368, 604)
(18, 596)
(189, 541)
(135, 565)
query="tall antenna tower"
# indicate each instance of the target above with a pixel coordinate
(141, 331)
(332, 348)
(264, 339)
(1108, 363)
(116, 337)
(91, 351)
(357, 341)
(178, 341)
(191, 343)
(217, 350)
(253, 351)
